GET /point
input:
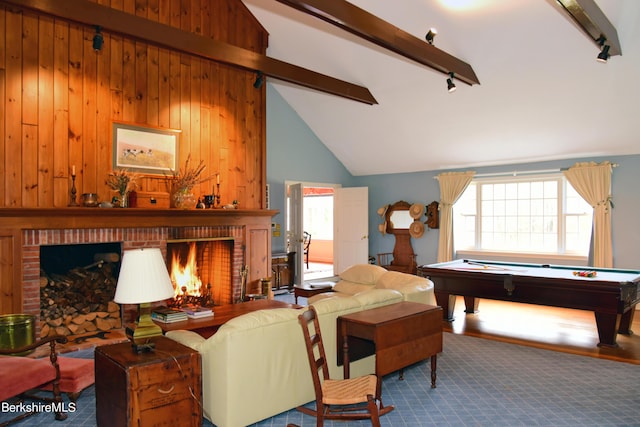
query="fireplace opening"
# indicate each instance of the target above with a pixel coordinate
(201, 271)
(77, 286)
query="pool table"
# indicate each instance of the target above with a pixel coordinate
(612, 294)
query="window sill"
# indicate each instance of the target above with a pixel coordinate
(534, 258)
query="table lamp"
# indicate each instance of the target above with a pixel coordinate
(143, 279)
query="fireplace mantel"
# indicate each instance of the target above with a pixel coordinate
(23, 230)
(74, 218)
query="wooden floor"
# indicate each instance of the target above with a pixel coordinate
(567, 330)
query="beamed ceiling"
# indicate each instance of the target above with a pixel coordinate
(542, 94)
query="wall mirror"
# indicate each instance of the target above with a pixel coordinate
(398, 217)
(398, 221)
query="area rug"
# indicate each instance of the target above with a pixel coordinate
(480, 383)
(490, 383)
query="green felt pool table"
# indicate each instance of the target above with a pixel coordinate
(611, 294)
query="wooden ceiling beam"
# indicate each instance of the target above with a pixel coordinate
(592, 20)
(112, 20)
(363, 24)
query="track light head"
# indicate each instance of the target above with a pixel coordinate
(259, 80)
(603, 56)
(451, 86)
(98, 40)
(431, 35)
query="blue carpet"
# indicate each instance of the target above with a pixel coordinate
(480, 383)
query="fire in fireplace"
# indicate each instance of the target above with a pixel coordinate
(201, 271)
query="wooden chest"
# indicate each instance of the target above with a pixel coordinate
(160, 388)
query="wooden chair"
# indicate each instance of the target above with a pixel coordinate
(18, 375)
(306, 242)
(405, 263)
(347, 399)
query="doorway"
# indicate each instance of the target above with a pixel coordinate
(339, 219)
(316, 217)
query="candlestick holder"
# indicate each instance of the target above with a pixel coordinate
(217, 195)
(72, 192)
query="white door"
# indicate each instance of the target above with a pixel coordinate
(351, 227)
(295, 224)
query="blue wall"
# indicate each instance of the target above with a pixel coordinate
(295, 153)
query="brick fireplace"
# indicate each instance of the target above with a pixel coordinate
(134, 228)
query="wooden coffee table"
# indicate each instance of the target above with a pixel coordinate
(208, 326)
(307, 290)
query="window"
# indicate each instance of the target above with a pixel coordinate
(523, 215)
(318, 216)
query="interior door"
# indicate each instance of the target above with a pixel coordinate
(351, 227)
(295, 224)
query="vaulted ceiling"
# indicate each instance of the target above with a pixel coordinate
(542, 94)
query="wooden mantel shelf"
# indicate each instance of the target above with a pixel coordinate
(73, 218)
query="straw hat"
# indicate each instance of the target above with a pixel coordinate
(416, 229)
(382, 228)
(383, 210)
(416, 210)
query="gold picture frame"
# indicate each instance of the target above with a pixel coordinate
(145, 149)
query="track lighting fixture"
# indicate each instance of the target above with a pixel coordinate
(451, 86)
(603, 56)
(431, 35)
(98, 40)
(259, 80)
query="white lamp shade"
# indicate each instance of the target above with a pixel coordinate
(143, 277)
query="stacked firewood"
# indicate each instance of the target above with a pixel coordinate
(79, 301)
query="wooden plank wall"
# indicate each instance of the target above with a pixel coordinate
(59, 97)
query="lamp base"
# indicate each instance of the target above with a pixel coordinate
(144, 330)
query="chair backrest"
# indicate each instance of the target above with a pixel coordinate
(313, 341)
(306, 241)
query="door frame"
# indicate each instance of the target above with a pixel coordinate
(299, 264)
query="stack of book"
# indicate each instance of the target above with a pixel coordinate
(168, 315)
(198, 312)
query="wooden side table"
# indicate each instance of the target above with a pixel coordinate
(283, 265)
(398, 334)
(307, 291)
(163, 387)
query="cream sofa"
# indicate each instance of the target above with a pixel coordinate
(255, 366)
(363, 277)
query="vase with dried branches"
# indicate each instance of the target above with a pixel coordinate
(183, 181)
(122, 181)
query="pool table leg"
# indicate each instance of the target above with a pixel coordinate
(448, 304)
(471, 304)
(626, 321)
(608, 325)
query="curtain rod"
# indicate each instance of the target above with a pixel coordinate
(521, 173)
(517, 173)
(512, 173)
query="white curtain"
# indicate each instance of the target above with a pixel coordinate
(452, 185)
(593, 182)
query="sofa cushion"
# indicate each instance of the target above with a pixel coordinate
(367, 274)
(396, 279)
(262, 318)
(374, 297)
(336, 304)
(352, 288)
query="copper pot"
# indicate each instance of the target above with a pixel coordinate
(90, 200)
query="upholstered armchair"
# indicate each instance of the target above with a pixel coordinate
(20, 374)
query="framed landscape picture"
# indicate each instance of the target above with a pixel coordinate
(145, 149)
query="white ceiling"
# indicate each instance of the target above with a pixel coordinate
(542, 95)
